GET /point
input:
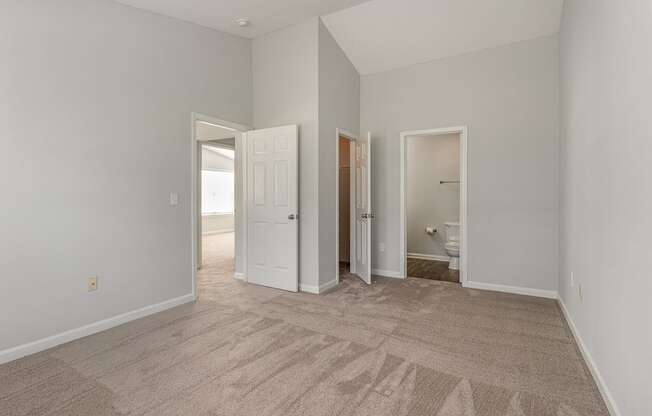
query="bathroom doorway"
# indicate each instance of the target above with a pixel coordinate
(433, 204)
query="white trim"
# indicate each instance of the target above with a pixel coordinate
(387, 273)
(464, 189)
(240, 276)
(230, 230)
(218, 214)
(90, 329)
(541, 293)
(588, 359)
(319, 289)
(195, 202)
(435, 257)
(329, 285)
(308, 288)
(352, 138)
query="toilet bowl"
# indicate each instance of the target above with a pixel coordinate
(453, 244)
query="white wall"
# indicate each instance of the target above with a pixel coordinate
(606, 198)
(216, 223)
(285, 79)
(339, 107)
(508, 98)
(431, 159)
(301, 76)
(88, 89)
(214, 161)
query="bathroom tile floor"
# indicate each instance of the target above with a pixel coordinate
(431, 269)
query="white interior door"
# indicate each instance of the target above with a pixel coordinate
(363, 214)
(272, 207)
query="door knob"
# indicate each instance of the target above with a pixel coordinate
(291, 217)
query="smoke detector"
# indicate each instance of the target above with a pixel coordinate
(242, 22)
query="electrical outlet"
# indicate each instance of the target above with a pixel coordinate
(579, 292)
(174, 199)
(92, 283)
(572, 279)
(381, 247)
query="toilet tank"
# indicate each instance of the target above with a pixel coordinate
(452, 231)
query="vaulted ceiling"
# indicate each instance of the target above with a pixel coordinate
(264, 15)
(385, 34)
(380, 35)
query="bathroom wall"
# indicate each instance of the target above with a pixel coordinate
(429, 204)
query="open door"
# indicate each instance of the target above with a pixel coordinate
(272, 207)
(363, 214)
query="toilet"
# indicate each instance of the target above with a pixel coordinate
(453, 244)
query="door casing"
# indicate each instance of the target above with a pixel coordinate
(464, 219)
(341, 133)
(195, 195)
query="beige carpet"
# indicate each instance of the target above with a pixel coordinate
(397, 347)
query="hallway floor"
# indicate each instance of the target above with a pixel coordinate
(396, 347)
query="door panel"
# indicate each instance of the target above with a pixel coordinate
(272, 207)
(363, 213)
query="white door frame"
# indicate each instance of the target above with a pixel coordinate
(195, 201)
(464, 220)
(351, 138)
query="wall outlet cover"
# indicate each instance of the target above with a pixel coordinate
(92, 283)
(381, 247)
(174, 199)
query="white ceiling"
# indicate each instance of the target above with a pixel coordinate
(265, 15)
(385, 34)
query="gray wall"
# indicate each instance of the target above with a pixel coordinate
(508, 97)
(606, 198)
(285, 79)
(88, 89)
(339, 107)
(431, 159)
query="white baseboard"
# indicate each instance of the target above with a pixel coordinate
(318, 289)
(602, 386)
(387, 273)
(240, 276)
(550, 294)
(308, 288)
(230, 230)
(43, 344)
(435, 257)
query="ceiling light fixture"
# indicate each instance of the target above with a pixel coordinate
(242, 22)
